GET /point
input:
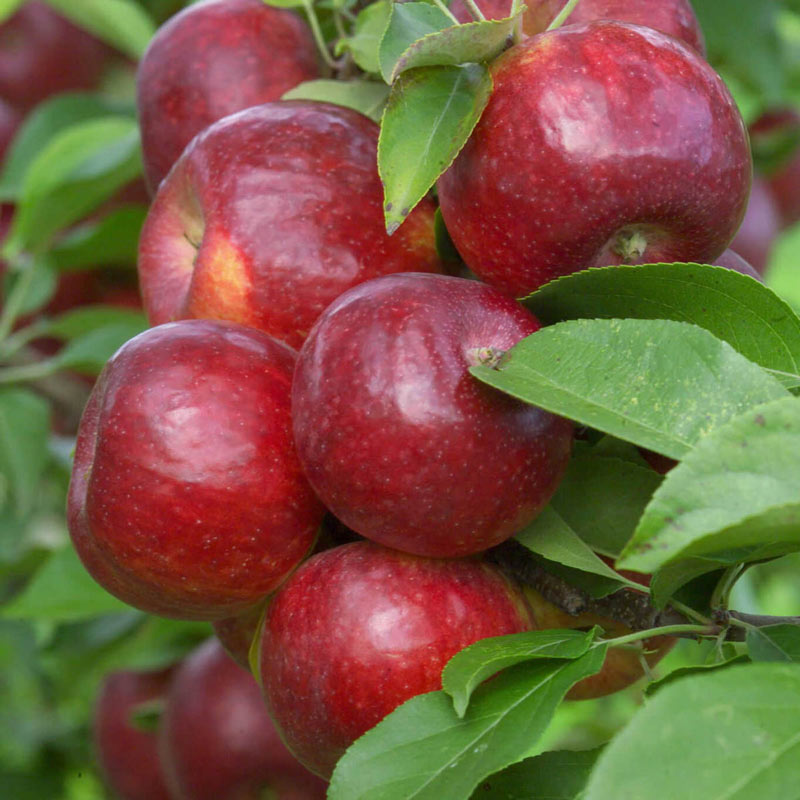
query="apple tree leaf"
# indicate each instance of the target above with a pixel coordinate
(407, 23)
(43, 124)
(78, 169)
(89, 351)
(24, 431)
(366, 97)
(467, 669)
(557, 775)
(698, 669)
(62, 590)
(123, 24)
(42, 283)
(84, 319)
(368, 30)
(429, 116)
(660, 384)
(472, 42)
(734, 307)
(774, 643)
(602, 498)
(734, 498)
(110, 241)
(550, 537)
(729, 733)
(425, 751)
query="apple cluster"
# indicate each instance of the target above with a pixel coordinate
(306, 369)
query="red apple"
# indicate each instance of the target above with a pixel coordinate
(675, 17)
(217, 740)
(187, 498)
(126, 754)
(732, 260)
(269, 215)
(760, 226)
(777, 133)
(236, 634)
(601, 144)
(360, 629)
(399, 441)
(42, 54)
(214, 58)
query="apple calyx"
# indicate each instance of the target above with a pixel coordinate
(485, 357)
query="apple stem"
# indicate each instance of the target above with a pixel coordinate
(666, 630)
(562, 15)
(316, 30)
(474, 10)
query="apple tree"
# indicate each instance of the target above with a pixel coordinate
(628, 607)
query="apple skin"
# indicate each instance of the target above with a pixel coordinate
(621, 667)
(360, 629)
(127, 756)
(210, 60)
(760, 226)
(399, 441)
(775, 125)
(269, 215)
(217, 741)
(732, 260)
(601, 144)
(236, 634)
(674, 17)
(42, 54)
(187, 499)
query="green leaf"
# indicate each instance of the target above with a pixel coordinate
(367, 97)
(698, 669)
(657, 383)
(124, 24)
(89, 351)
(467, 669)
(62, 590)
(469, 43)
(24, 432)
(774, 643)
(368, 30)
(41, 288)
(728, 734)
(429, 116)
(8, 7)
(734, 307)
(113, 240)
(81, 321)
(45, 122)
(602, 498)
(550, 537)
(734, 498)
(77, 170)
(286, 3)
(408, 22)
(424, 751)
(558, 775)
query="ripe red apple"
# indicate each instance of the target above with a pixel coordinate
(187, 498)
(126, 754)
(360, 629)
(269, 215)
(760, 226)
(622, 667)
(236, 634)
(601, 144)
(214, 58)
(675, 17)
(732, 260)
(217, 740)
(399, 441)
(779, 129)
(42, 54)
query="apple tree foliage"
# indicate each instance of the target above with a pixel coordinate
(691, 362)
